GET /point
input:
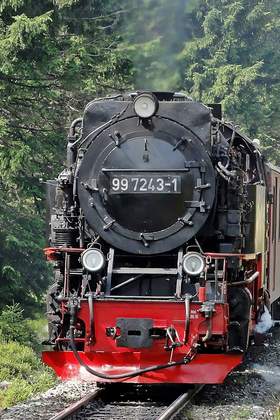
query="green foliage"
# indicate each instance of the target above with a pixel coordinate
(39, 328)
(13, 326)
(55, 56)
(23, 370)
(13, 4)
(154, 32)
(20, 367)
(232, 59)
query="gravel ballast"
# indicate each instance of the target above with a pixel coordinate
(250, 392)
(45, 405)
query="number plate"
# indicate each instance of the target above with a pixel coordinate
(137, 184)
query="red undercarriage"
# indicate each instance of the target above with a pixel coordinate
(103, 354)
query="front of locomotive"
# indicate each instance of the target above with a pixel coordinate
(136, 298)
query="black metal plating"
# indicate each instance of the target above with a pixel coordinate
(142, 233)
(134, 332)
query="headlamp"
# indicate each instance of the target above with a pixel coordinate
(193, 263)
(93, 259)
(145, 105)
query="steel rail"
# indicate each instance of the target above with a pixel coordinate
(71, 409)
(169, 413)
(174, 408)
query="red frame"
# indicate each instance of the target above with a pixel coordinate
(103, 354)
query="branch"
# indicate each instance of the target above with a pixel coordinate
(14, 81)
(25, 127)
(118, 12)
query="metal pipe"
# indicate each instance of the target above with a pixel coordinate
(232, 135)
(113, 119)
(226, 171)
(124, 283)
(247, 281)
(71, 154)
(202, 293)
(226, 178)
(73, 126)
(208, 334)
(187, 314)
(216, 279)
(90, 306)
(167, 299)
(128, 170)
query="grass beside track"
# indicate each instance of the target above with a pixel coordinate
(22, 373)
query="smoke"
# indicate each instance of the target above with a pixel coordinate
(154, 35)
(265, 322)
(271, 374)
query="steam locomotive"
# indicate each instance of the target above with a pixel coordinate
(164, 237)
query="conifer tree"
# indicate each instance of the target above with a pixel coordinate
(233, 58)
(55, 55)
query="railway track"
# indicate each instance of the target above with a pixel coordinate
(123, 402)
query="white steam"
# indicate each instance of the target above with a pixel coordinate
(265, 322)
(271, 374)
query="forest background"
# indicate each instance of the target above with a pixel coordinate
(56, 55)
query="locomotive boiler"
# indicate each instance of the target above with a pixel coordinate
(158, 238)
